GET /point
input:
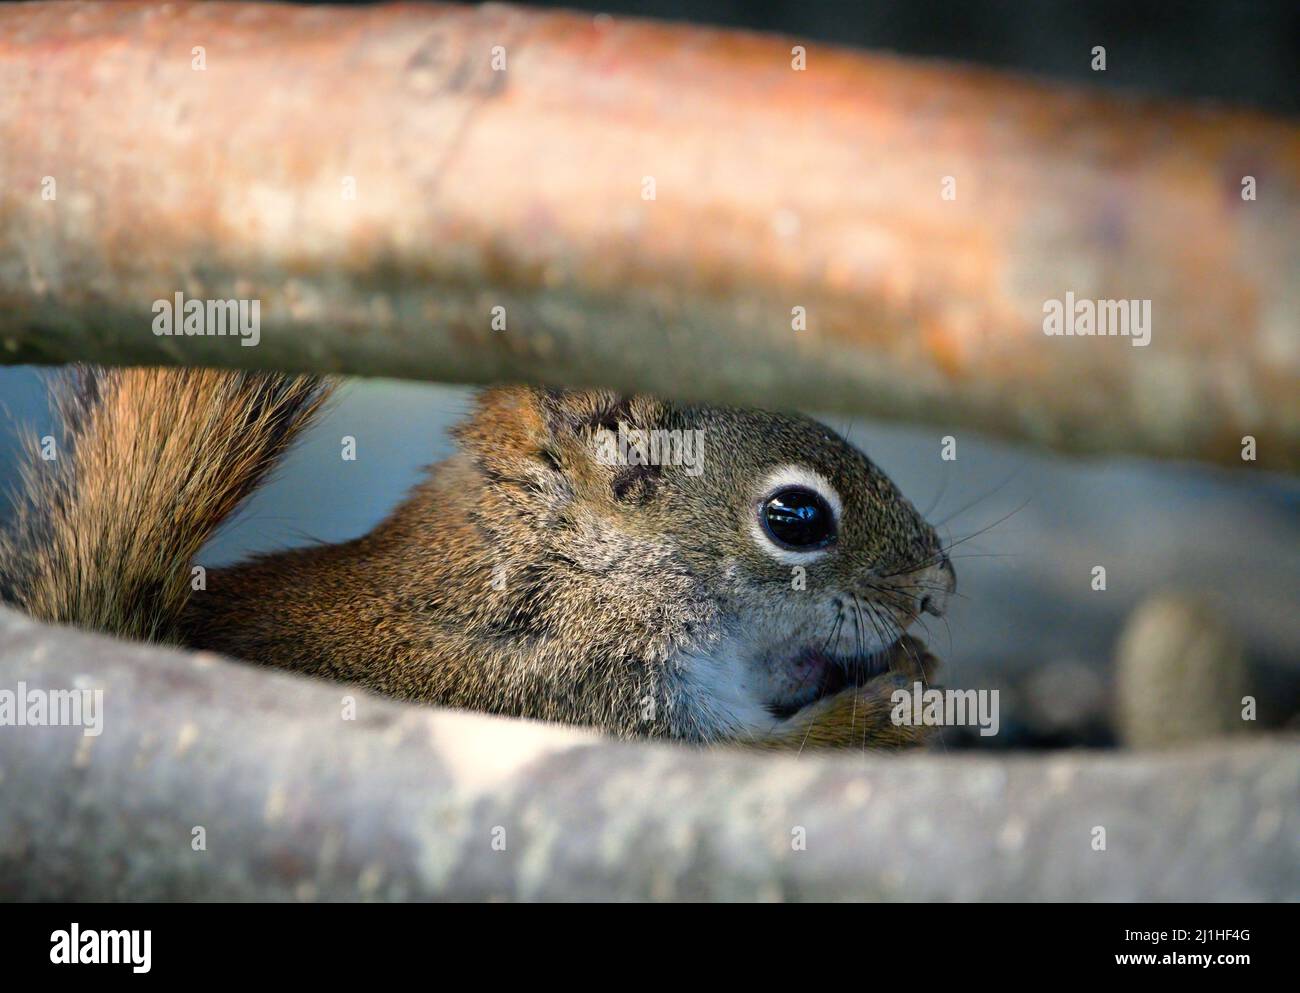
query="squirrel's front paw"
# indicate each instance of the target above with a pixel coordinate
(861, 717)
(910, 660)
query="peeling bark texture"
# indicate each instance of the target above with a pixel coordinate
(406, 802)
(526, 189)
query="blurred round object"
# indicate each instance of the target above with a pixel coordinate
(1180, 674)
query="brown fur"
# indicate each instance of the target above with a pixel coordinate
(150, 463)
(522, 577)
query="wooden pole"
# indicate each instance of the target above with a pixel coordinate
(678, 209)
(310, 791)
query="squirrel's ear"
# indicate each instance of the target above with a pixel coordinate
(505, 418)
(509, 440)
(586, 428)
(523, 430)
(525, 433)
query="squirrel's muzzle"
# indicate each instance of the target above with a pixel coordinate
(937, 584)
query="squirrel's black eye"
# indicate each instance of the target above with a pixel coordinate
(798, 518)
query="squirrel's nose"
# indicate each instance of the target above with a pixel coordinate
(938, 583)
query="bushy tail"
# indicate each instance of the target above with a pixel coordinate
(151, 462)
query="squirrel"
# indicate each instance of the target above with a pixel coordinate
(762, 601)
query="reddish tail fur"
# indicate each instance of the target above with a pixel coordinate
(150, 463)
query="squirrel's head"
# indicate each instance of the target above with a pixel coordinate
(718, 569)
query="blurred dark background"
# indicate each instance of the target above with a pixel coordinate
(1237, 51)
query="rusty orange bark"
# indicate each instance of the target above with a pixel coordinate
(649, 206)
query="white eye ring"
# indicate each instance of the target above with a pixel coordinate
(787, 476)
